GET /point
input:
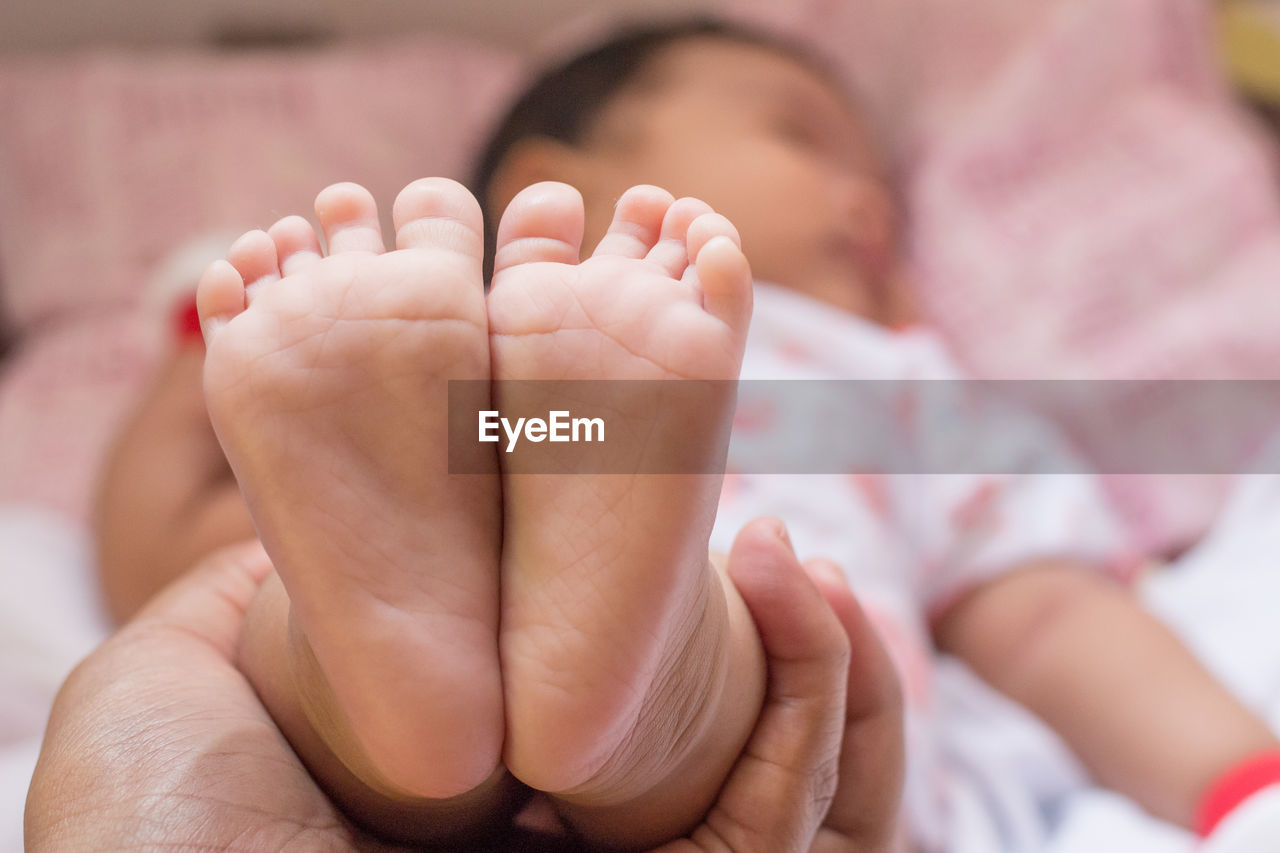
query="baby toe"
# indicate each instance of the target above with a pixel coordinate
(439, 213)
(254, 258)
(297, 245)
(637, 222)
(672, 252)
(349, 218)
(543, 223)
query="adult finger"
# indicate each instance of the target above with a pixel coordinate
(780, 788)
(156, 698)
(864, 812)
(209, 602)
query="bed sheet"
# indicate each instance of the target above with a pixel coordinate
(50, 618)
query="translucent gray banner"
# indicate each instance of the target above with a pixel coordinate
(852, 426)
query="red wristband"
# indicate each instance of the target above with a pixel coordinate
(1233, 787)
(186, 322)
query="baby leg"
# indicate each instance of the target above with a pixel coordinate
(632, 670)
(326, 380)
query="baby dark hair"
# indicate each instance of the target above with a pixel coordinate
(564, 102)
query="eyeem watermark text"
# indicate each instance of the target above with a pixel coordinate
(558, 426)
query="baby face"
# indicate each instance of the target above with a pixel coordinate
(771, 144)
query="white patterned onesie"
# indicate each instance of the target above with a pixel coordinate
(909, 543)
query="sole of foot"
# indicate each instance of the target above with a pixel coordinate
(613, 621)
(327, 383)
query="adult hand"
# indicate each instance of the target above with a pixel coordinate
(823, 769)
(158, 741)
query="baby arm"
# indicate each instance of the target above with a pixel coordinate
(1132, 702)
(167, 497)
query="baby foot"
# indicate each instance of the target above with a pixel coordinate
(613, 623)
(326, 381)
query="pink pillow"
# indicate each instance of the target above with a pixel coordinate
(1084, 201)
(1099, 209)
(110, 161)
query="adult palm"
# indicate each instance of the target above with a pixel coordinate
(157, 741)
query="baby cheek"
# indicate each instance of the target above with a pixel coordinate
(772, 257)
(876, 212)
